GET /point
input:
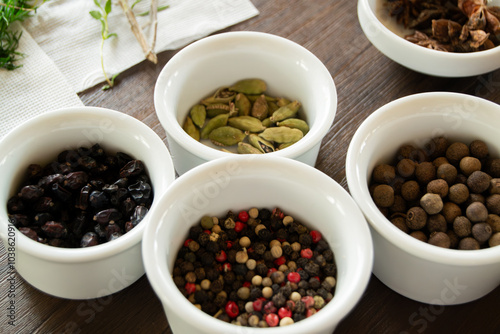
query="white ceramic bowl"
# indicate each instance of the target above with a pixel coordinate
(220, 60)
(415, 269)
(418, 58)
(95, 271)
(238, 183)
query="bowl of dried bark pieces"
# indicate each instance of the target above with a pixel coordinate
(257, 244)
(244, 92)
(441, 38)
(424, 170)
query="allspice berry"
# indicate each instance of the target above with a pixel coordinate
(383, 173)
(468, 243)
(400, 223)
(476, 212)
(468, 165)
(456, 151)
(494, 186)
(462, 226)
(405, 168)
(410, 190)
(425, 172)
(399, 204)
(493, 204)
(436, 223)
(481, 232)
(416, 218)
(436, 147)
(494, 221)
(458, 193)
(440, 239)
(493, 167)
(439, 161)
(438, 186)
(419, 235)
(383, 195)
(494, 240)
(431, 203)
(447, 172)
(478, 149)
(451, 211)
(478, 182)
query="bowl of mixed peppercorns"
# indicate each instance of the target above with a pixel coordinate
(442, 38)
(425, 171)
(78, 184)
(255, 242)
(247, 93)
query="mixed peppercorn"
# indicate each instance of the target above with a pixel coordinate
(257, 268)
(446, 193)
(83, 198)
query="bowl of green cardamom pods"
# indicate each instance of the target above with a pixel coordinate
(244, 93)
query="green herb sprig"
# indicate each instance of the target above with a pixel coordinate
(10, 12)
(102, 16)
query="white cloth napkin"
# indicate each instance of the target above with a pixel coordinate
(32, 89)
(65, 30)
(62, 44)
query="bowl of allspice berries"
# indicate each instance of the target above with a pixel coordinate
(77, 187)
(445, 38)
(244, 93)
(424, 170)
(257, 244)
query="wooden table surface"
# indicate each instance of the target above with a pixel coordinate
(365, 81)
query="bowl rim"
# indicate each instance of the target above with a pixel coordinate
(174, 129)
(359, 190)
(163, 285)
(81, 255)
(364, 5)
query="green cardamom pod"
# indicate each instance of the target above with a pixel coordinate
(214, 123)
(285, 145)
(281, 134)
(295, 123)
(245, 148)
(191, 129)
(249, 86)
(260, 108)
(226, 136)
(217, 109)
(260, 143)
(198, 115)
(222, 95)
(288, 111)
(243, 104)
(267, 122)
(281, 102)
(246, 123)
(273, 106)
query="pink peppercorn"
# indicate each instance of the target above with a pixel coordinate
(270, 271)
(232, 309)
(221, 256)
(239, 226)
(310, 311)
(279, 261)
(308, 300)
(247, 284)
(227, 267)
(257, 304)
(243, 216)
(186, 243)
(284, 312)
(190, 288)
(306, 253)
(272, 319)
(269, 308)
(316, 236)
(293, 277)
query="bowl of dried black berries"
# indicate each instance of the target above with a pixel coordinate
(424, 170)
(78, 184)
(258, 242)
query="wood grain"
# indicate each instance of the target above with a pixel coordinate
(365, 80)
